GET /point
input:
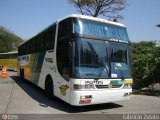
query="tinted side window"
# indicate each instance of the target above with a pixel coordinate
(19, 50)
(64, 45)
(50, 38)
(43, 41)
(40, 43)
(65, 28)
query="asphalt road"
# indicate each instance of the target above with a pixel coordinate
(24, 98)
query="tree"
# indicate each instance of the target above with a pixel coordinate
(146, 63)
(8, 40)
(107, 8)
(158, 25)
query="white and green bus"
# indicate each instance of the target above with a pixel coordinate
(80, 59)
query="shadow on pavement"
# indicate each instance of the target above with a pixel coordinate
(39, 95)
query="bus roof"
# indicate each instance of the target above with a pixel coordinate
(78, 16)
(92, 18)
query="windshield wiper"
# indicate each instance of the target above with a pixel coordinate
(100, 73)
(102, 68)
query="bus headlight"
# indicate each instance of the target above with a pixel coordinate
(127, 86)
(83, 87)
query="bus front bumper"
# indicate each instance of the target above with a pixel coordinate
(89, 97)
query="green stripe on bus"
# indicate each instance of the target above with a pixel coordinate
(37, 66)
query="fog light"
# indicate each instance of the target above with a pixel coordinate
(86, 97)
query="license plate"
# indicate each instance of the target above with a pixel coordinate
(95, 82)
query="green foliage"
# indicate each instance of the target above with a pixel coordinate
(8, 40)
(146, 63)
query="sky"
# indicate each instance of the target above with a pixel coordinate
(26, 18)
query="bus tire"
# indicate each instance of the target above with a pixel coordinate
(49, 87)
(22, 74)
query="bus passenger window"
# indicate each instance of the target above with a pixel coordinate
(64, 61)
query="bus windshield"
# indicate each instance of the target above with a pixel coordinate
(101, 59)
(100, 29)
(91, 58)
(96, 56)
(120, 60)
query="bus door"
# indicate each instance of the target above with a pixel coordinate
(64, 65)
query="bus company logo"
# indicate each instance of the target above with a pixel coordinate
(4, 116)
(63, 89)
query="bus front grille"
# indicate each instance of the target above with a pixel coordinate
(108, 86)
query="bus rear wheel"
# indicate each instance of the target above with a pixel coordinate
(22, 74)
(49, 88)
